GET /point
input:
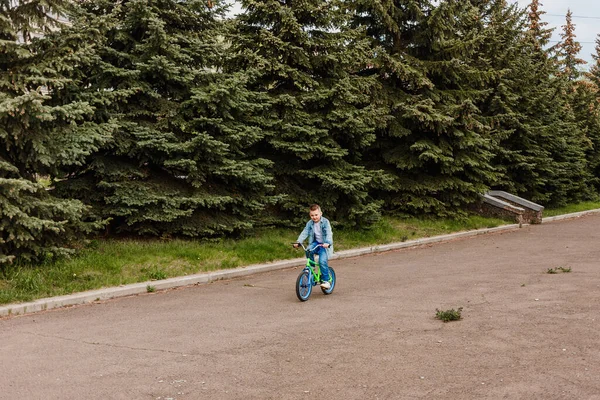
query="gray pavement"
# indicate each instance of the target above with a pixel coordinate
(525, 334)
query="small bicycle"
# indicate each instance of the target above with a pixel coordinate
(310, 277)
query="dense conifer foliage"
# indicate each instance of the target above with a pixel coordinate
(320, 112)
(588, 111)
(40, 132)
(177, 162)
(573, 175)
(172, 118)
(435, 143)
(529, 111)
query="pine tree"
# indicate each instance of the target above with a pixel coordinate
(435, 144)
(39, 133)
(320, 114)
(177, 164)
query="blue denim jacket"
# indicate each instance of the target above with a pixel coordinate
(326, 230)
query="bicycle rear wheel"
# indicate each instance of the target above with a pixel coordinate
(303, 286)
(332, 273)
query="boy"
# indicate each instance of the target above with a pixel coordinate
(318, 231)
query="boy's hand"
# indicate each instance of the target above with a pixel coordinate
(296, 245)
(326, 245)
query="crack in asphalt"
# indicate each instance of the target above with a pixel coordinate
(264, 343)
(108, 344)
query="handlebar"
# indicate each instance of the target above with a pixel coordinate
(307, 249)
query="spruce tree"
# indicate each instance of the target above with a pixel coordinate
(594, 73)
(436, 143)
(518, 98)
(573, 179)
(320, 112)
(177, 164)
(586, 106)
(40, 132)
(540, 149)
(568, 50)
(538, 30)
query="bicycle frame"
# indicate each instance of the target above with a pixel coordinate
(310, 264)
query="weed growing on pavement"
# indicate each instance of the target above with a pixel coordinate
(150, 289)
(449, 315)
(557, 270)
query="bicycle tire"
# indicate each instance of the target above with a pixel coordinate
(303, 286)
(333, 280)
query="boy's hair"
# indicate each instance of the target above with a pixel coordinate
(315, 207)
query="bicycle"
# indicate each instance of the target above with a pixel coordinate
(310, 277)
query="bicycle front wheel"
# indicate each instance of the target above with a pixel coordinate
(303, 286)
(333, 281)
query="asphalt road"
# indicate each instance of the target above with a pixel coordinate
(525, 334)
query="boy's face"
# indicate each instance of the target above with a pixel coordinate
(315, 215)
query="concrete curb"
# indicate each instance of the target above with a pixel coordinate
(139, 288)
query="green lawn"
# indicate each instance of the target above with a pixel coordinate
(105, 263)
(572, 208)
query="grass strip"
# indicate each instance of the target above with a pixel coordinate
(572, 208)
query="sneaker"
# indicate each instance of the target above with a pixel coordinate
(326, 285)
